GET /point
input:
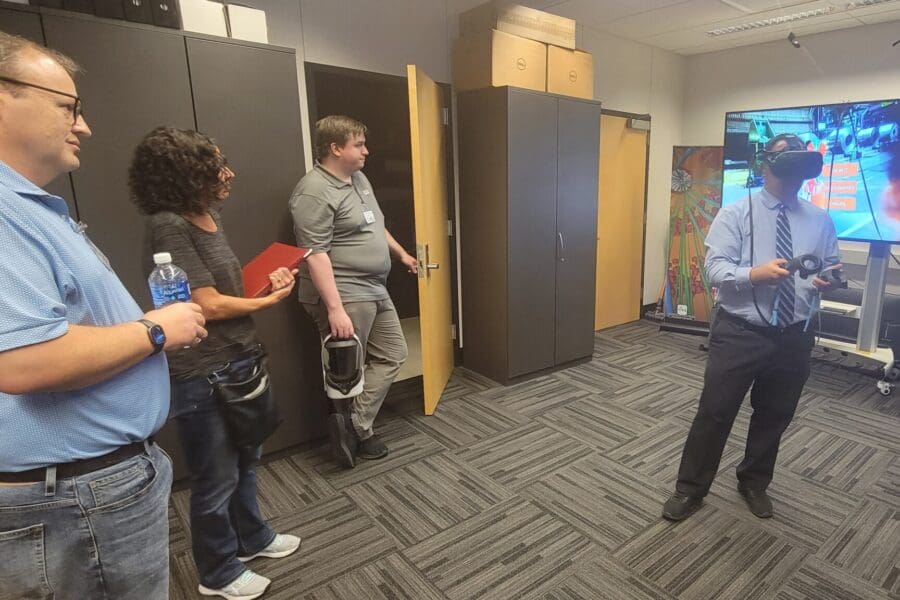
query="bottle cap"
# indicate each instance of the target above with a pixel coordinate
(162, 258)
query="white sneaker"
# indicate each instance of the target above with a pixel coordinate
(248, 586)
(281, 546)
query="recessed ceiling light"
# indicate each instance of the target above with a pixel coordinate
(771, 21)
(864, 3)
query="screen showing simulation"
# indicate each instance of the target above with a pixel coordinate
(860, 143)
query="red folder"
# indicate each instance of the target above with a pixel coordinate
(256, 272)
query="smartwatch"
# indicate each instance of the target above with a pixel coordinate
(156, 334)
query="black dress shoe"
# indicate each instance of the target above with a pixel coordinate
(680, 506)
(758, 502)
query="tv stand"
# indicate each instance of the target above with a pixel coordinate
(869, 315)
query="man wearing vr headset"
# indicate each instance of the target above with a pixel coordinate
(761, 337)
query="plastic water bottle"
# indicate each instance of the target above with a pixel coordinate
(167, 282)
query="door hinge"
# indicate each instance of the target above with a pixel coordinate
(445, 116)
(453, 331)
(449, 228)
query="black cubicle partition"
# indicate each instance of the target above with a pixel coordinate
(245, 96)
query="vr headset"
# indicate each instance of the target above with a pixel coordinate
(793, 162)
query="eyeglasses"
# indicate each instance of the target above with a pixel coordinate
(76, 108)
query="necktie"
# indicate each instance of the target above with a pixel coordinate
(784, 248)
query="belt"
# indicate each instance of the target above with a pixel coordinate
(78, 467)
(766, 330)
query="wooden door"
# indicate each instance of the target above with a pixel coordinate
(620, 222)
(428, 136)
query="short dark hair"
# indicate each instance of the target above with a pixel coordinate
(175, 170)
(11, 49)
(793, 142)
(336, 129)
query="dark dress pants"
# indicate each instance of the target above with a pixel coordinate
(774, 365)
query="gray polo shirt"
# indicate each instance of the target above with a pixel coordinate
(344, 220)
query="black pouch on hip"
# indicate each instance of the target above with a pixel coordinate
(247, 404)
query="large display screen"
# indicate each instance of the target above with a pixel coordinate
(860, 143)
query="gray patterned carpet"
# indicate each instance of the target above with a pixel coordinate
(552, 489)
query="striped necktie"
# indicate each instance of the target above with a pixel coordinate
(784, 248)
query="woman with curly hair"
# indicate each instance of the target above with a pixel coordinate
(179, 178)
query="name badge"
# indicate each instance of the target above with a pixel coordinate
(369, 216)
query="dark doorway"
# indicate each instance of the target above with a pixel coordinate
(381, 102)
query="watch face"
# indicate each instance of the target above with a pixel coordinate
(157, 335)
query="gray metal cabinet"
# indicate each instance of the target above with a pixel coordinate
(22, 22)
(531, 227)
(255, 119)
(134, 80)
(26, 22)
(528, 169)
(576, 221)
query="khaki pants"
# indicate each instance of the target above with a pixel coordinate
(378, 328)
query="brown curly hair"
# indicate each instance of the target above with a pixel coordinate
(175, 170)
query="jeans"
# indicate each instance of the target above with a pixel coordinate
(104, 535)
(225, 518)
(378, 328)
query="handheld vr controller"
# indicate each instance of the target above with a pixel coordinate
(810, 264)
(805, 264)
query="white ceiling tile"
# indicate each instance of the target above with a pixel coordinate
(596, 13)
(881, 17)
(768, 34)
(680, 25)
(685, 38)
(756, 6)
(842, 21)
(875, 9)
(687, 15)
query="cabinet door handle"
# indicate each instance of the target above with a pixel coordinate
(562, 247)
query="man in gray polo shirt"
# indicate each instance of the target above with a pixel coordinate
(342, 284)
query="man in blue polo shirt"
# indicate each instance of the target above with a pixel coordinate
(83, 384)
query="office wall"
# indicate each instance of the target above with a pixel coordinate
(838, 66)
(384, 35)
(381, 36)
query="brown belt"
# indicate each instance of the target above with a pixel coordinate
(78, 467)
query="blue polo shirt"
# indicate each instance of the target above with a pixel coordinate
(53, 276)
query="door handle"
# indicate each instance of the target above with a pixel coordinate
(562, 247)
(422, 258)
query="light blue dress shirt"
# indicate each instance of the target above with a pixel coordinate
(52, 277)
(728, 260)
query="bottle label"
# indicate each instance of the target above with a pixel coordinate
(167, 292)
